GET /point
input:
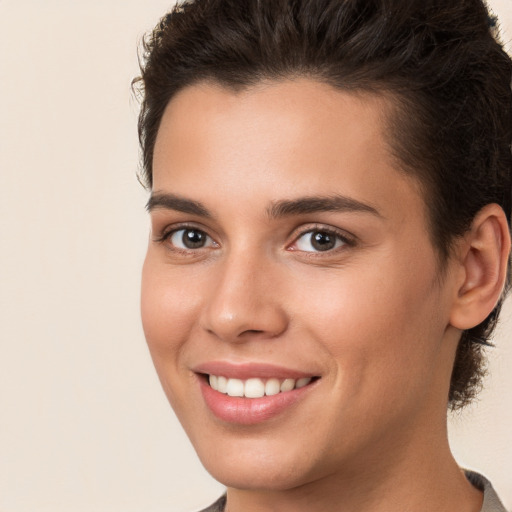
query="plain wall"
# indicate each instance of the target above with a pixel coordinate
(84, 425)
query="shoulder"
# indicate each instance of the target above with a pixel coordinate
(491, 501)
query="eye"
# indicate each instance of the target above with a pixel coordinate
(319, 241)
(190, 238)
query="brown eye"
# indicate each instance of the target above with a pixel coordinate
(322, 241)
(189, 238)
(319, 241)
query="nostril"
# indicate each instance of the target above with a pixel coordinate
(240, 319)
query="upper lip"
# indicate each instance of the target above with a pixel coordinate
(247, 370)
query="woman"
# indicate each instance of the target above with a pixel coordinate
(330, 195)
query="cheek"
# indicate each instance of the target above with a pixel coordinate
(167, 308)
(377, 325)
(168, 305)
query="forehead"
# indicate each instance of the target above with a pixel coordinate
(270, 114)
(279, 139)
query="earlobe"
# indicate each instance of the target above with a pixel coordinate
(484, 259)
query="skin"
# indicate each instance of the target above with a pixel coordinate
(371, 317)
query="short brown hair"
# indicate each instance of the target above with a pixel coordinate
(439, 59)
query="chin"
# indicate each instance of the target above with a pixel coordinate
(271, 466)
(256, 477)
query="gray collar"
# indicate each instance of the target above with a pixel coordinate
(491, 501)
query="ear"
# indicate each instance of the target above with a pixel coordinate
(483, 257)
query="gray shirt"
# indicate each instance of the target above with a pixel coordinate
(491, 501)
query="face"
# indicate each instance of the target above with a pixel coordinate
(291, 297)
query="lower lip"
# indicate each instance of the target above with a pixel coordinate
(249, 411)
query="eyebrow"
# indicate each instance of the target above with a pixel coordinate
(278, 209)
(314, 204)
(166, 201)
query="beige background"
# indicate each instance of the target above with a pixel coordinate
(84, 425)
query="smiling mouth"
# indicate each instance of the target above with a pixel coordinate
(256, 387)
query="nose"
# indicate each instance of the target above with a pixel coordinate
(245, 301)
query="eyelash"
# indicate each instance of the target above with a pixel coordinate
(346, 239)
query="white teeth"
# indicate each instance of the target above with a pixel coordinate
(303, 382)
(272, 387)
(222, 384)
(287, 384)
(254, 387)
(213, 382)
(235, 387)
